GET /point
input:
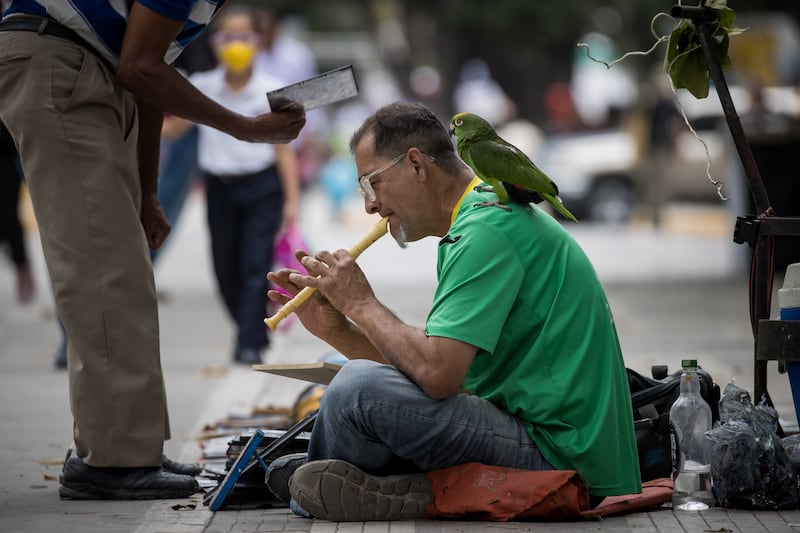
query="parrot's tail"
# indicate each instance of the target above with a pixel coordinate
(558, 206)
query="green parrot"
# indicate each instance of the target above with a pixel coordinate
(497, 163)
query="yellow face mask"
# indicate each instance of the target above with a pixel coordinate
(237, 56)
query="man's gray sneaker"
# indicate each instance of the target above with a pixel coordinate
(280, 472)
(338, 491)
(80, 481)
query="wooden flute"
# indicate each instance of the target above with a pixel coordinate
(378, 231)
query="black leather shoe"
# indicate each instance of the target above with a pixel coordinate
(247, 356)
(187, 469)
(80, 481)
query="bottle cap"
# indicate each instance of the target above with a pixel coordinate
(689, 363)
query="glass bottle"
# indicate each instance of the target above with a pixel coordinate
(690, 418)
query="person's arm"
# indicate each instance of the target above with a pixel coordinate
(142, 70)
(437, 365)
(154, 222)
(289, 172)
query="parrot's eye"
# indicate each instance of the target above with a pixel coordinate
(459, 122)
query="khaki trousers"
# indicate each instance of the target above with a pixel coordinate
(76, 131)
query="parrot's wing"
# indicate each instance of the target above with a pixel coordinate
(508, 164)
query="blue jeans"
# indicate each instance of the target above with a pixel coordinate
(372, 416)
(178, 171)
(244, 215)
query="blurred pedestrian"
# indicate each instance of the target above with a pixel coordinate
(662, 122)
(86, 84)
(253, 190)
(11, 231)
(280, 53)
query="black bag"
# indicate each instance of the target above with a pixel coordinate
(652, 399)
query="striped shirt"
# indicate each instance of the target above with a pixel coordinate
(102, 23)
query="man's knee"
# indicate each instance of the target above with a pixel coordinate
(357, 382)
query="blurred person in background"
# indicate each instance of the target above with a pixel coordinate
(282, 54)
(11, 231)
(252, 189)
(662, 122)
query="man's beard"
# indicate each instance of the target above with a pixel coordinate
(402, 237)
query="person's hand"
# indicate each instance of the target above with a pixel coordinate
(337, 276)
(278, 127)
(316, 314)
(155, 224)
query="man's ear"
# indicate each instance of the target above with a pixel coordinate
(418, 161)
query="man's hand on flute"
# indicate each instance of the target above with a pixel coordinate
(317, 314)
(338, 277)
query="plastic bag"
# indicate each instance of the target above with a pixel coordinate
(286, 243)
(749, 466)
(791, 445)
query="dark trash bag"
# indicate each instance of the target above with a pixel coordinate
(749, 466)
(652, 399)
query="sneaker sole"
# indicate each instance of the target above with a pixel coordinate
(79, 491)
(338, 491)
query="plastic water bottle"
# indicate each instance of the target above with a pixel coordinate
(690, 418)
(789, 302)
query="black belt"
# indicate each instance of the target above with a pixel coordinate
(50, 27)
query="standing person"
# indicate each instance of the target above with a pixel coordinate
(252, 189)
(280, 52)
(518, 365)
(85, 85)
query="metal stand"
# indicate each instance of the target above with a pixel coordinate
(774, 339)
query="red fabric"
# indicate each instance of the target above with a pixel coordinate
(654, 493)
(482, 492)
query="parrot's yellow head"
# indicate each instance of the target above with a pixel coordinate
(467, 125)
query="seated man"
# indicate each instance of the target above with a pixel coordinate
(519, 364)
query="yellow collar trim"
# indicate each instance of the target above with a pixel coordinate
(472, 184)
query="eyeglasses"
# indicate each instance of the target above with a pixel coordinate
(365, 181)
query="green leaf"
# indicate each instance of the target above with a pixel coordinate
(716, 4)
(726, 17)
(690, 72)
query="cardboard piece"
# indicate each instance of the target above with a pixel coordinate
(323, 89)
(318, 372)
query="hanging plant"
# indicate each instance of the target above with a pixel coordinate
(684, 60)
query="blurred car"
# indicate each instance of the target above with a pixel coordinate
(599, 174)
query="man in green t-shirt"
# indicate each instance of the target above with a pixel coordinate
(519, 364)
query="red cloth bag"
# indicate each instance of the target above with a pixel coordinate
(495, 493)
(483, 492)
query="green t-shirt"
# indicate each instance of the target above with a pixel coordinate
(517, 286)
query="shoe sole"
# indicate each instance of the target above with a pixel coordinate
(338, 491)
(79, 491)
